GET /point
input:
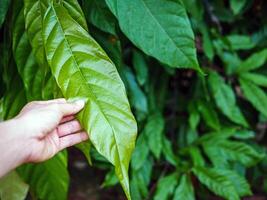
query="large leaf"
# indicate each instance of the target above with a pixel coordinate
(184, 189)
(217, 180)
(12, 187)
(48, 180)
(255, 95)
(169, 40)
(166, 186)
(225, 99)
(82, 69)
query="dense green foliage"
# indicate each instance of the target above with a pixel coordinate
(200, 127)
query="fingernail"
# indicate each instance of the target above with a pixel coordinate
(80, 103)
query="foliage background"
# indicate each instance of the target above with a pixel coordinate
(201, 132)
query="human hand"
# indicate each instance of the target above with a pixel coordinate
(42, 129)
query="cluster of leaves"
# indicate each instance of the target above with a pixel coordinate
(198, 127)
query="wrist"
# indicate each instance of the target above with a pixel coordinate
(13, 146)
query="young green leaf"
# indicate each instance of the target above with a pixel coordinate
(184, 189)
(170, 41)
(225, 99)
(12, 187)
(166, 186)
(254, 94)
(75, 57)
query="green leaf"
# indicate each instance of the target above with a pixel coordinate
(97, 12)
(237, 5)
(217, 181)
(209, 115)
(184, 189)
(48, 180)
(12, 187)
(253, 62)
(170, 41)
(4, 4)
(255, 95)
(258, 79)
(140, 66)
(75, 57)
(166, 186)
(225, 99)
(154, 132)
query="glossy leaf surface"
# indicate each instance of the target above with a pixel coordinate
(75, 57)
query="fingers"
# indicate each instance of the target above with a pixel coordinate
(67, 119)
(70, 108)
(72, 139)
(68, 128)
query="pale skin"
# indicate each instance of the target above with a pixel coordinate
(41, 129)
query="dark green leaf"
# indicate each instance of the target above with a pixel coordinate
(97, 12)
(253, 62)
(4, 4)
(209, 115)
(170, 41)
(140, 153)
(255, 95)
(184, 189)
(225, 99)
(48, 180)
(154, 132)
(237, 5)
(217, 181)
(140, 66)
(258, 79)
(166, 186)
